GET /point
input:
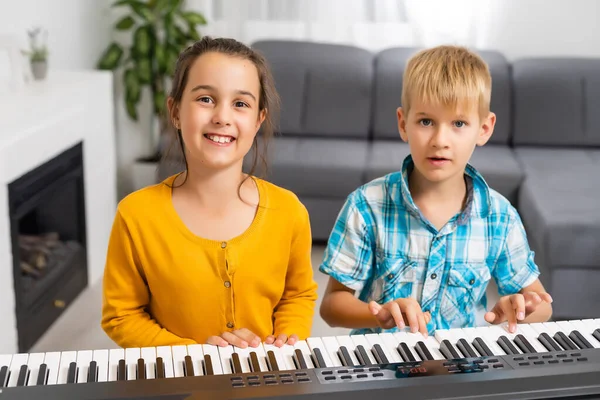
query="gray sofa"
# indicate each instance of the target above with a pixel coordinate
(338, 130)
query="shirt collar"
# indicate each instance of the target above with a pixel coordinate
(478, 194)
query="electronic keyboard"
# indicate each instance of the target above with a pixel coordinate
(540, 360)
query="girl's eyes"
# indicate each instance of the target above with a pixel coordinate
(205, 99)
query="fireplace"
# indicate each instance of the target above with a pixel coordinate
(48, 236)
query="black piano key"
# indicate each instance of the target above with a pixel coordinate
(3, 376)
(122, 371)
(548, 342)
(72, 375)
(318, 359)
(405, 353)
(507, 345)
(160, 368)
(188, 366)
(580, 340)
(345, 357)
(423, 351)
(254, 362)
(362, 355)
(273, 366)
(482, 347)
(523, 344)
(596, 334)
(465, 348)
(380, 355)
(208, 367)
(141, 369)
(300, 361)
(92, 372)
(564, 341)
(237, 365)
(23, 373)
(42, 376)
(448, 350)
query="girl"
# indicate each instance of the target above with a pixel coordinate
(212, 255)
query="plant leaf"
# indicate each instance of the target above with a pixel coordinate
(161, 58)
(193, 18)
(159, 102)
(124, 3)
(132, 85)
(142, 40)
(172, 56)
(111, 57)
(125, 23)
(144, 70)
(131, 110)
(193, 33)
(143, 11)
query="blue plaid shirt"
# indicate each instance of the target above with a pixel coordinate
(384, 248)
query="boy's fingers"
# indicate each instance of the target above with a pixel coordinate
(546, 297)
(374, 307)
(518, 304)
(411, 318)
(394, 309)
(422, 324)
(510, 311)
(427, 316)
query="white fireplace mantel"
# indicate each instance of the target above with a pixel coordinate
(37, 123)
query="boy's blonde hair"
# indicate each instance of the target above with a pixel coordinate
(451, 76)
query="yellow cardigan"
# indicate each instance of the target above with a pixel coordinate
(163, 285)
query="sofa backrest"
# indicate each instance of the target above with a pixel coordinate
(389, 68)
(556, 102)
(325, 89)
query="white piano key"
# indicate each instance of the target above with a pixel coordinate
(391, 344)
(5, 360)
(331, 347)
(501, 330)
(347, 342)
(18, 360)
(283, 359)
(410, 341)
(84, 358)
(33, 363)
(305, 349)
(375, 338)
(590, 325)
(66, 358)
(585, 332)
(179, 352)
(566, 327)
(132, 355)
(287, 353)
(433, 346)
(52, 361)
(317, 343)
(149, 356)
(360, 340)
(114, 356)
(261, 354)
(164, 352)
(225, 357)
(490, 340)
(452, 336)
(197, 355)
(244, 355)
(215, 358)
(101, 358)
(469, 335)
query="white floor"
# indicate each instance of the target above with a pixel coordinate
(79, 327)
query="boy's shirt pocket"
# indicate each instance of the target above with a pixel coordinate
(395, 279)
(465, 287)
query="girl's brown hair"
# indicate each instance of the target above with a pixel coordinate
(268, 96)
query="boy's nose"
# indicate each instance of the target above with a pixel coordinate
(440, 138)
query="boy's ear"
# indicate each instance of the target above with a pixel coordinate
(402, 123)
(487, 128)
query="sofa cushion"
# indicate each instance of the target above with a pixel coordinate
(556, 102)
(497, 164)
(558, 202)
(325, 89)
(325, 168)
(389, 68)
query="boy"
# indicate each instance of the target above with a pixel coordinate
(420, 245)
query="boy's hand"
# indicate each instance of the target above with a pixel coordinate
(240, 337)
(516, 307)
(399, 312)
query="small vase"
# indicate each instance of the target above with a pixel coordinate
(39, 69)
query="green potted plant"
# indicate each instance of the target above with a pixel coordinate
(38, 52)
(159, 31)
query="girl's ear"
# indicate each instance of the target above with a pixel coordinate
(173, 112)
(261, 118)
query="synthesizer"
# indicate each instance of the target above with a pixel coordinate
(540, 360)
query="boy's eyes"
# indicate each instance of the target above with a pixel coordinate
(429, 122)
(425, 122)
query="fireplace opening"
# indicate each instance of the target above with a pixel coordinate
(47, 218)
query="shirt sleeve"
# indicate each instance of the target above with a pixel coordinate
(515, 267)
(348, 257)
(126, 296)
(294, 312)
